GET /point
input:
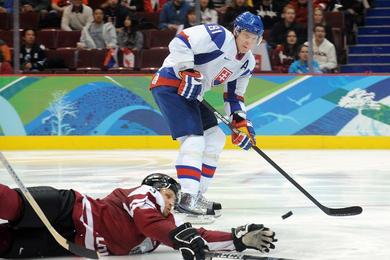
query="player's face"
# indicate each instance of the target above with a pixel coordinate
(169, 199)
(246, 41)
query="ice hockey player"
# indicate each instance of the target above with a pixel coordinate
(127, 221)
(200, 58)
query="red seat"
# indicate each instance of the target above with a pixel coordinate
(90, 60)
(157, 38)
(152, 59)
(29, 20)
(8, 37)
(5, 21)
(145, 18)
(62, 58)
(335, 19)
(48, 37)
(68, 39)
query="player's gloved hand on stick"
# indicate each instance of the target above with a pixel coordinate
(191, 84)
(254, 236)
(246, 136)
(187, 239)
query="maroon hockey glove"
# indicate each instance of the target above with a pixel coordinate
(189, 242)
(191, 84)
(254, 236)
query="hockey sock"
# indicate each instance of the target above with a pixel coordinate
(5, 239)
(189, 162)
(207, 175)
(10, 203)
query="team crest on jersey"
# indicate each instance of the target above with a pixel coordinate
(222, 76)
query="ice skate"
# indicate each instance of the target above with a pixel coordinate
(194, 212)
(204, 202)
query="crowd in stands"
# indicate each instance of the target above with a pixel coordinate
(119, 31)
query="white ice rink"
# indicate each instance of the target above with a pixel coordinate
(250, 190)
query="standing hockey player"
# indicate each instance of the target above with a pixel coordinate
(128, 221)
(200, 58)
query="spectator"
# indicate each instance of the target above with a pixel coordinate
(300, 7)
(284, 54)
(301, 65)
(190, 19)
(324, 50)
(32, 54)
(76, 16)
(6, 6)
(5, 58)
(98, 35)
(174, 14)
(279, 30)
(40, 6)
(115, 13)
(236, 8)
(280, 4)
(208, 14)
(266, 10)
(129, 37)
(59, 5)
(318, 17)
(133, 5)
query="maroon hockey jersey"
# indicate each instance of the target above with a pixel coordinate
(130, 221)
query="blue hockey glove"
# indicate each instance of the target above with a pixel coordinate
(254, 236)
(191, 84)
(189, 242)
(246, 136)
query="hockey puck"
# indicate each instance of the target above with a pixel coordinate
(288, 214)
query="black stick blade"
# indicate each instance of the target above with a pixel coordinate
(82, 251)
(349, 211)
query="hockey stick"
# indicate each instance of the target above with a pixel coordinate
(228, 255)
(348, 211)
(72, 247)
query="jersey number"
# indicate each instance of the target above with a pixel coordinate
(214, 28)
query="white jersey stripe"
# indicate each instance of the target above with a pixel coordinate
(88, 223)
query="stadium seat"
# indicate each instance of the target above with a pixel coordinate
(90, 60)
(29, 20)
(5, 21)
(335, 19)
(68, 38)
(157, 38)
(48, 37)
(148, 20)
(8, 37)
(62, 58)
(152, 59)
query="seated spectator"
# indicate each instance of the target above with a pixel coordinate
(133, 5)
(190, 19)
(208, 14)
(98, 35)
(5, 59)
(151, 6)
(32, 54)
(300, 7)
(318, 17)
(284, 54)
(59, 5)
(236, 8)
(266, 10)
(279, 30)
(323, 50)
(302, 65)
(39, 6)
(76, 16)
(6, 6)
(114, 13)
(129, 37)
(174, 14)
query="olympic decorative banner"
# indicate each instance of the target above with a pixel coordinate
(357, 105)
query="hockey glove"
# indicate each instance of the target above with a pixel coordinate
(254, 236)
(189, 242)
(191, 84)
(246, 136)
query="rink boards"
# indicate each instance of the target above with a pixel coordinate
(118, 112)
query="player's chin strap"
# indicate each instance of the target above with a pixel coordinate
(348, 211)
